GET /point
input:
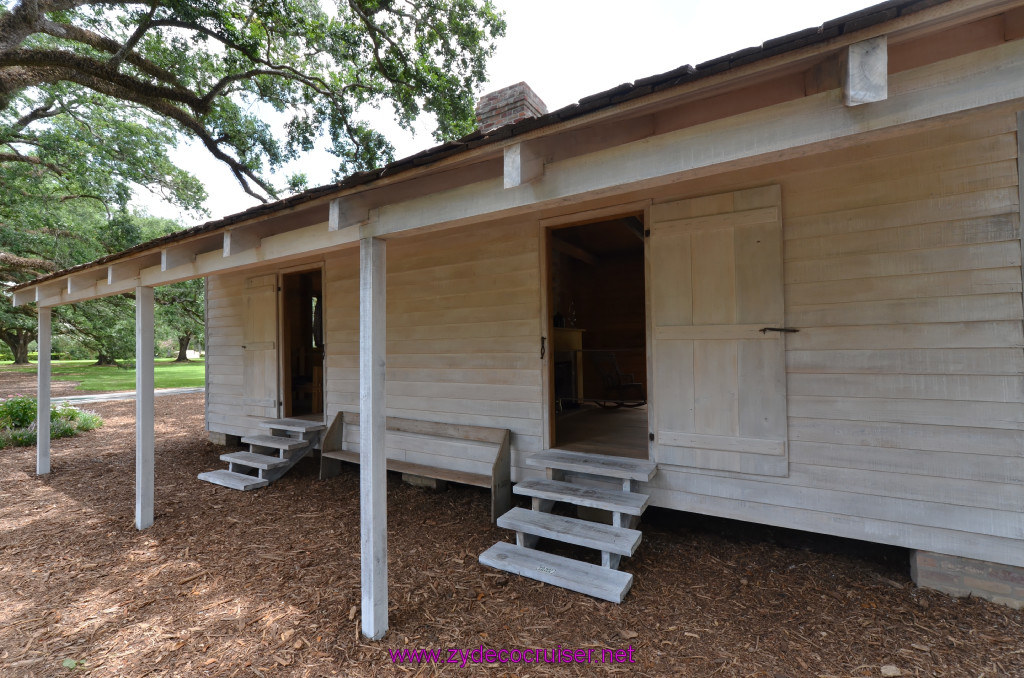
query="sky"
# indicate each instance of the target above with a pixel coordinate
(565, 50)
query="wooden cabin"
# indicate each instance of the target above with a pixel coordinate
(783, 287)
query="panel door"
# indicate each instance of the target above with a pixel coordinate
(719, 375)
(259, 346)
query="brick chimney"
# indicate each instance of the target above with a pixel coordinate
(507, 106)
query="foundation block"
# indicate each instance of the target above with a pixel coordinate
(957, 576)
(424, 482)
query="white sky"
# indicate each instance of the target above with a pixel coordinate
(566, 50)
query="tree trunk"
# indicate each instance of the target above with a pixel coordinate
(20, 347)
(183, 343)
(105, 360)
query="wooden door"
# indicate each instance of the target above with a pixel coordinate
(719, 397)
(259, 346)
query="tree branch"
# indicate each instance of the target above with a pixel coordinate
(14, 263)
(129, 45)
(30, 160)
(104, 44)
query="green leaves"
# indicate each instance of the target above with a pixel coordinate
(128, 78)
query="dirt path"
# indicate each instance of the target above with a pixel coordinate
(266, 583)
(90, 398)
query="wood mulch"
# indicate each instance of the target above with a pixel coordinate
(267, 583)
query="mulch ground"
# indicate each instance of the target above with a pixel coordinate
(267, 583)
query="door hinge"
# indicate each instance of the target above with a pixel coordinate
(790, 330)
(650, 436)
(543, 347)
(647, 233)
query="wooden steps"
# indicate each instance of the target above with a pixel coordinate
(594, 464)
(236, 481)
(593, 580)
(631, 503)
(613, 541)
(292, 438)
(620, 540)
(274, 442)
(293, 424)
(253, 460)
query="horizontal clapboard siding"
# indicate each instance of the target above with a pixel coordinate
(905, 383)
(463, 328)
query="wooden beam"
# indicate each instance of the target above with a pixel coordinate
(124, 272)
(592, 216)
(866, 72)
(50, 291)
(351, 210)
(43, 395)
(238, 240)
(22, 297)
(144, 425)
(184, 254)
(176, 256)
(574, 252)
(373, 488)
(523, 164)
(918, 99)
(84, 283)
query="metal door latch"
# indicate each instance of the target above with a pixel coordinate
(766, 330)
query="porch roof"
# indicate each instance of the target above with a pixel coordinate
(776, 54)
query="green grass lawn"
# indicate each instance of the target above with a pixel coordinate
(169, 374)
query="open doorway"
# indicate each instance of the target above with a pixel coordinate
(599, 354)
(302, 344)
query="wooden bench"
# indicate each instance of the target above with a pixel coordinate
(425, 448)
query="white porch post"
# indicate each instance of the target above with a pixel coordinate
(144, 407)
(373, 504)
(43, 395)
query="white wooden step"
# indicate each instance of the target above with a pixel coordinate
(236, 481)
(292, 424)
(630, 503)
(620, 540)
(595, 464)
(276, 442)
(593, 580)
(254, 460)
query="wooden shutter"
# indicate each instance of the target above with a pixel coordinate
(259, 346)
(719, 397)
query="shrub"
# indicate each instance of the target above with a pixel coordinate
(21, 437)
(62, 428)
(17, 412)
(88, 421)
(18, 421)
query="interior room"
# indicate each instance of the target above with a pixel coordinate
(302, 343)
(599, 337)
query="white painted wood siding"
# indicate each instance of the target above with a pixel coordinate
(905, 387)
(463, 328)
